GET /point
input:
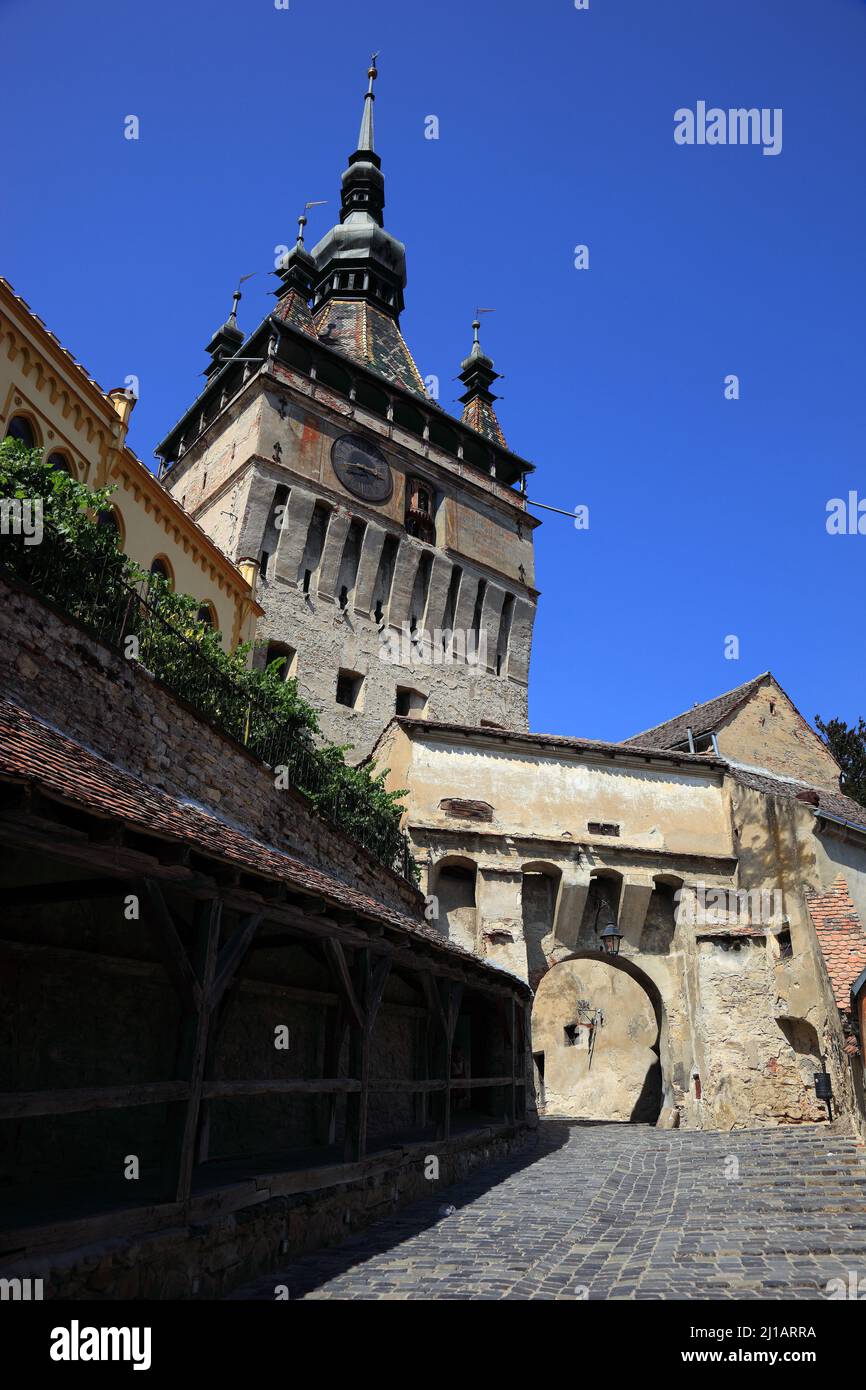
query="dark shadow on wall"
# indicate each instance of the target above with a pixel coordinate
(648, 1105)
(801, 1037)
(539, 893)
(660, 922)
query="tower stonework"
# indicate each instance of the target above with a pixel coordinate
(389, 541)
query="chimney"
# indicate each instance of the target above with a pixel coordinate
(123, 401)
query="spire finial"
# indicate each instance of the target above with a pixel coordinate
(365, 139)
(478, 374)
(236, 299)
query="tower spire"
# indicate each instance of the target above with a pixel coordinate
(365, 138)
(363, 184)
(296, 271)
(228, 338)
(358, 261)
(478, 375)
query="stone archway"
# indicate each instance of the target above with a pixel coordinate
(591, 1068)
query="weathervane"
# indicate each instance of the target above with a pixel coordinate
(302, 220)
(236, 299)
(476, 323)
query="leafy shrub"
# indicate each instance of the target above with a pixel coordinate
(80, 567)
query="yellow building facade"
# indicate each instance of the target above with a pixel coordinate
(49, 400)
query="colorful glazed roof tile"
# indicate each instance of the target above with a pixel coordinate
(479, 415)
(294, 310)
(368, 336)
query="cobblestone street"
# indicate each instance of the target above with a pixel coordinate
(617, 1211)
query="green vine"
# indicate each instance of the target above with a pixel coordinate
(260, 708)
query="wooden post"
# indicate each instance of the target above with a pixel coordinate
(336, 1025)
(527, 1063)
(192, 1051)
(511, 1014)
(454, 994)
(362, 990)
(443, 1002)
(231, 963)
(422, 1052)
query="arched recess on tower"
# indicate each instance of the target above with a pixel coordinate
(599, 1040)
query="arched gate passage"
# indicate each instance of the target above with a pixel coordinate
(596, 1029)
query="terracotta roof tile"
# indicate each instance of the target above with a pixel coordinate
(841, 937)
(832, 803)
(588, 745)
(39, 754)
(702, 718)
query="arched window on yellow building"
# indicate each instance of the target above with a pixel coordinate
(60, 461)
(23, 428)
(161, 567)
(112, 520)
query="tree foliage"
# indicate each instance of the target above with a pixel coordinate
(848, 746)
(261, 708)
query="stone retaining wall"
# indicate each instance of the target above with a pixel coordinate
(208, 1258)
(62, 675)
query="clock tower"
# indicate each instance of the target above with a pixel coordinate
(389, 540)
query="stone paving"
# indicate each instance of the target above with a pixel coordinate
(604, 1211)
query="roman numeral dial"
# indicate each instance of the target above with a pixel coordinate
(362, 468)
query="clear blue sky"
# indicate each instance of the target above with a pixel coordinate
(556, 128)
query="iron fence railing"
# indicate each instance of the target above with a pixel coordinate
(92, 587)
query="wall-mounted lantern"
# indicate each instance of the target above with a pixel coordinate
(610, 939)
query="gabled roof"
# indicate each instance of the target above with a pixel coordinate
(77, 368)
(834, 804)
(697, 761)
(702, 718)
(142, 478)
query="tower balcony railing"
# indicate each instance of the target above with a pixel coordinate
(87, 587)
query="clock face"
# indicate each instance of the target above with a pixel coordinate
(362, 468)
